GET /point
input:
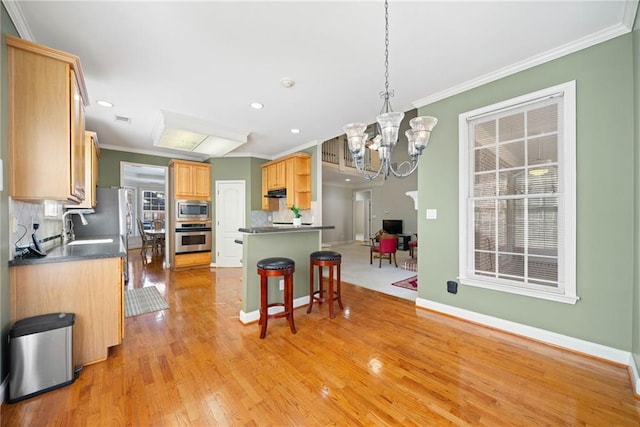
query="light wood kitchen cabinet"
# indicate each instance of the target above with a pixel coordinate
(92, 154)
(191, 180)
(198, 259)
(299, 181)
(276, 175)
(93, 289)
(47, 96)
(265, 188)
(293, 173)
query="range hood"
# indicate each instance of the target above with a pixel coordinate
(276, 194)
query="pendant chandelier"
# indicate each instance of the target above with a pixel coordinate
(388, 124)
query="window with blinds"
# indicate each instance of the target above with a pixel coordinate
(517, 207)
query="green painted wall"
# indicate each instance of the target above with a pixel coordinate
(636, 180)
(6, 27)
(605, 206)
(235, 168)
(256, 184)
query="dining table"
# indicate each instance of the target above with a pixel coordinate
(158, 238)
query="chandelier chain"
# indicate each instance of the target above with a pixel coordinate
(387, 93)
(386, 47)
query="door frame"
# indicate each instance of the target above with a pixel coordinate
(366, 212)
(135, 238)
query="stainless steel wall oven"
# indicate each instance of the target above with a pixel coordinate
(193, 237)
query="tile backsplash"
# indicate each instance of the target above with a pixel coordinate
(267, 218)
(27, 214)
(285, 215)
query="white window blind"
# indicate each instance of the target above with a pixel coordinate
(515, 181)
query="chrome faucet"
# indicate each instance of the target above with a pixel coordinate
(67, 232)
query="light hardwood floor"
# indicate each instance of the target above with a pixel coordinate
(381, 361)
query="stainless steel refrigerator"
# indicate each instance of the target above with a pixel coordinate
(111, 217)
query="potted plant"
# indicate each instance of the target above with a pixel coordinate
(297, 220)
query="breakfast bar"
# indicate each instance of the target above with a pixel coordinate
(296, 243)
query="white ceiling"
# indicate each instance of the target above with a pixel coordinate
(210, 60)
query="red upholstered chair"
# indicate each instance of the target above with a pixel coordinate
(413, 244)
(385, 249)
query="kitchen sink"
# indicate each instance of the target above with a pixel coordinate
(89, 242)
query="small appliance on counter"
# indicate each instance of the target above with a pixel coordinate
(34, 249)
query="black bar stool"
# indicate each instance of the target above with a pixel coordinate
(325, 259)
(270, 267)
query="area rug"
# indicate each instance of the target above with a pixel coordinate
(410, 283)
(143, 300)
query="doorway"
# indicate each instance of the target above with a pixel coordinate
(147, 190)
(362, 215)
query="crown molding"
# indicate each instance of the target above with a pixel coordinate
(629, 14)
(15, 13)
(583, 43)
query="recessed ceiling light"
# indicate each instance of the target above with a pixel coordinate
(347, 179)
(257, 106)
(104, 103)
(295, 130)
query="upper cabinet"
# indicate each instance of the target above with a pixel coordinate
(298, 178)
(276, 175)
(92, 153)
(293, 173)
(191, 180)
(265, 188)
(47, 96)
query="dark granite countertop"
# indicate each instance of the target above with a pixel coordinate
(285, 229)
(65, 253)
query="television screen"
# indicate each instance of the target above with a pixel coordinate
(392, 226)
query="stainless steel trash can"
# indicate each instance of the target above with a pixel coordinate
(40, 355)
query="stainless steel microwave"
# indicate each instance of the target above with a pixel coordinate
(193, 210)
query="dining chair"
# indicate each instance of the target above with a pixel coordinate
(147, 241)
(386, 247)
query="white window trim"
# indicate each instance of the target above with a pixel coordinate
(566, 158)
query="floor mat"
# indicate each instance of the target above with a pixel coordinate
(143, 300)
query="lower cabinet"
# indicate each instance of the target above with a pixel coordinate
(197, 259)
(93, 289)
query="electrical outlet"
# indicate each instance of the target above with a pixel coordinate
(282, 284)
(14, 224)
(452, 287)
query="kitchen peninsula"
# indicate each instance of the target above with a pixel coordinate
(291, 242)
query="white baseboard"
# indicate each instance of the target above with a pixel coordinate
(253, 316)
(564, 341)
(635, 377)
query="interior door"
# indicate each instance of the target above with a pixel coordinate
(230, 216)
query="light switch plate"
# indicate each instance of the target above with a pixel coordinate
(432, 213)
